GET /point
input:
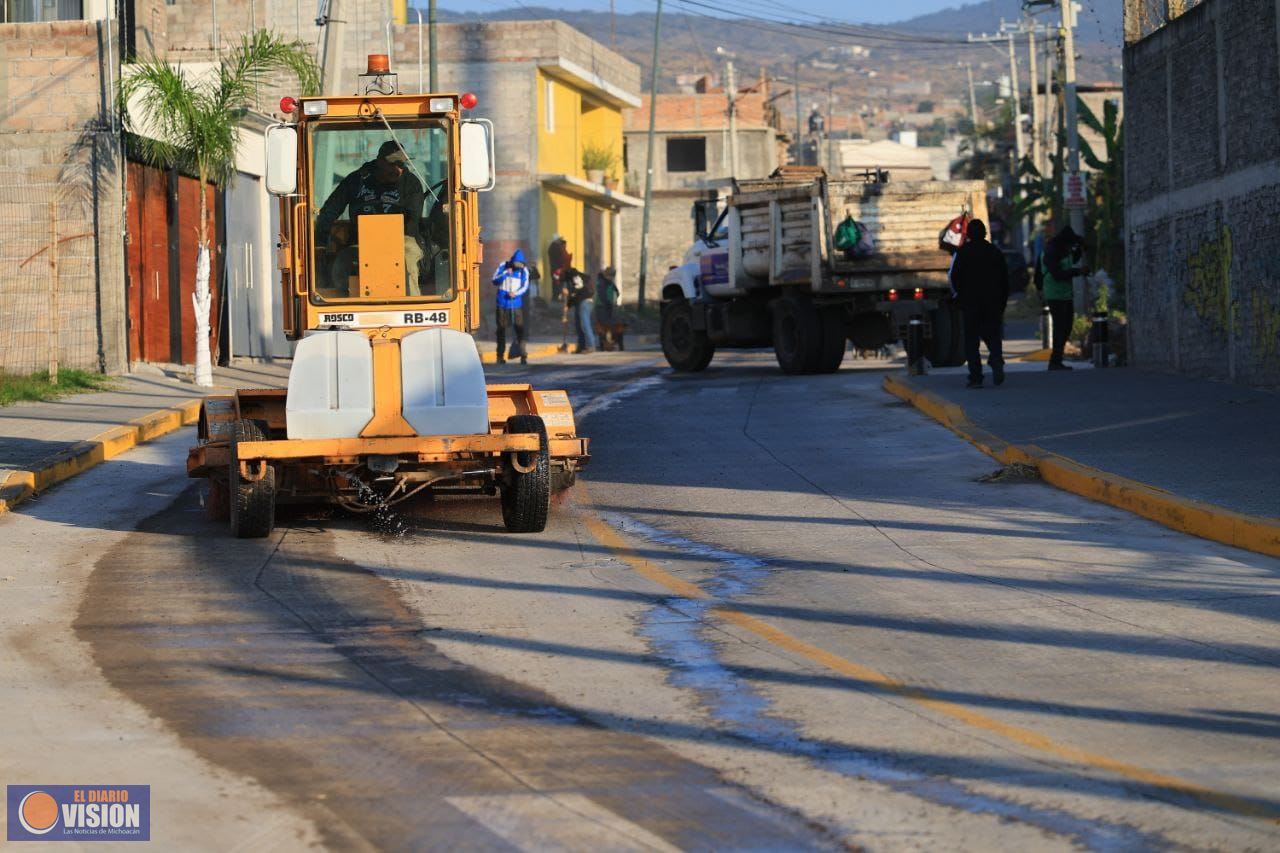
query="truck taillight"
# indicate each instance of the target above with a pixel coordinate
(919, 293)
(893, 294)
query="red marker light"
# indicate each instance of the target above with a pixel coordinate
(468, 101)
(893, 296)
(919, 293)
(288, 104)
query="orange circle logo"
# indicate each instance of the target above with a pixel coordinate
(38, 812)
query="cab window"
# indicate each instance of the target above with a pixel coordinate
(381, 220)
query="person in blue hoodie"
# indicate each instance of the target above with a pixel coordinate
(512, 281)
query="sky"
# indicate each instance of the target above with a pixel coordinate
(859, 11)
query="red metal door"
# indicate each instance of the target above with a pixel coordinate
(163, 217)
(148, 263)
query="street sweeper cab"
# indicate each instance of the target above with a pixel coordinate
(379, 257)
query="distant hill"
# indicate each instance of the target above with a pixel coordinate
(1101, 23)
(689, 43)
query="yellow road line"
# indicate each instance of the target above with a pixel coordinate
(1028, 738)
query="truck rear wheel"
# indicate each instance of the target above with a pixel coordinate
(946, 348)
(526, 496)
(253, 502)
(687, 349)
(797, 335)
(833, 339)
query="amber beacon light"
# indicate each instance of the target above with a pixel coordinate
(379, 63)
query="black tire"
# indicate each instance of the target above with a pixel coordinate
(253, 503)
(946, 347)
(833, 339)
(687, 350)
(797, 335)
(526, 497)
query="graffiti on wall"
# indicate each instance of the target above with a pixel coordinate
(1208, 290)
(1266, 328)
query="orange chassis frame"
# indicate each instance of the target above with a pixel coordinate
(317, 469)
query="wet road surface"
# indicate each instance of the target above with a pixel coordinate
(778, 613)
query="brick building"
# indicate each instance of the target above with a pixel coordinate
(1202, 193)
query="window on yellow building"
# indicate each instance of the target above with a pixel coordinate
(687, 155)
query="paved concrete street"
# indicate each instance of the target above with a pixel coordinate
(775, 613)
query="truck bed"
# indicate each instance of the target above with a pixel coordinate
(788, 227)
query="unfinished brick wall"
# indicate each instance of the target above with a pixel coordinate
(1203, 193)
(57, 148)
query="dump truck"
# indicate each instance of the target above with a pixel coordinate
(386, 398)
(763, 270)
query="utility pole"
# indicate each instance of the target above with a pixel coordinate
(796, 88)
(1037, 141)
(830, 125)
(731, 95)
(973, 100)
(331, 46)
(648, 163)
(433, 67)
(1019, 146)
(1073, 130)
(1050, 105)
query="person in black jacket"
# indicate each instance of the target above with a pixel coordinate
(385, 184)
(980, 281)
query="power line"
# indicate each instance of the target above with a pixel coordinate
(812, 33)
(827, 27)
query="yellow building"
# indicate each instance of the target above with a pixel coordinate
(556, 98)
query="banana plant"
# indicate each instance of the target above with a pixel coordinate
(1105, 237)
(192, 121)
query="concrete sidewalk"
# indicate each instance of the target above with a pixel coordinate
(1202, 443)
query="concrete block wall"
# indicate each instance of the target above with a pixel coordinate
(57, 147)
(670, 235)
(1203, 193)
(757, 157)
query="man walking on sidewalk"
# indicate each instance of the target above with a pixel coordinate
(512, 281)
(980, 280)
(1059, 265)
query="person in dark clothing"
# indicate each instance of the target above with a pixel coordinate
(980, 280)
(558, 260)
(580, 293)
(606, 295)
(1058, 266)
(385, 184)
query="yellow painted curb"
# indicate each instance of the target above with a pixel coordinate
(490, 357)
(83, 455)
(1251, 532)
(1038, 355)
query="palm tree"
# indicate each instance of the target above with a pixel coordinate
(193, 123)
